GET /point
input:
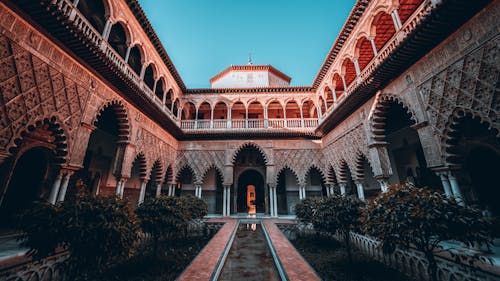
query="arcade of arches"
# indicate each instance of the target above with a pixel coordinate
(435, 125)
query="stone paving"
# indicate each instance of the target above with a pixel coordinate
(205, 263)
(295, 266)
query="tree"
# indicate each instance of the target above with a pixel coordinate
(194, 207)
(40, 226)
(95, 231)
(306, 209)
(162, 217)
(339, 214)
(407, 217)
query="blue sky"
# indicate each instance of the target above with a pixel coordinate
(203, 37)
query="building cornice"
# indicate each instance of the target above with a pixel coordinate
(141, 17)
(350, 23)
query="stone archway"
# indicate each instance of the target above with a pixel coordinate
(249, 157)
(393, 126)
(105, 149)
(472, 149)
(30, 180)
(250, 177)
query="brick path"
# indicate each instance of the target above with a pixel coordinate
(295, 266)
(204, 264)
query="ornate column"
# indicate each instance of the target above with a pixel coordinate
(212, 118)
(446, 184)
(158, 190)
(271, 201)
(374, 47)
(224, 200)
(361, 191)
(396, 20)
(142, 192)
(332, 190)
(55, 188)
(229, 117)
(120, 186)
(196, 118)
(342, 188)
(343, 82)
(198, 190)
(275, 196)
(266, 117)
(227, 202)
(301, 117)
(356, 67)
(455, 188)
(127, 55)
(384, 186)
(64, 185)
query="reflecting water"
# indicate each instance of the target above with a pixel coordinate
(249, 257)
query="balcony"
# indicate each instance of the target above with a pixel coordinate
(291, 124)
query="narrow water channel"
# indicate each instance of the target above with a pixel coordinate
(249, 257)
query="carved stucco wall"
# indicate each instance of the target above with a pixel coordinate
(39, 81)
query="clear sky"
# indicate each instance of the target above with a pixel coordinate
(203, 37)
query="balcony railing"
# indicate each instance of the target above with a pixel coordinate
(71, 14)
(252, 124)
(390, 46)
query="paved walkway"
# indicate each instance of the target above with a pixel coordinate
(295, 266)
(204, 264)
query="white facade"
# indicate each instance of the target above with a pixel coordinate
(249, 77)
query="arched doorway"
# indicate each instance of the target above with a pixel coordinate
(103, 149)
(185, 184)
(247, 179)
(30, 181)
(474, 148)
(249, 169)
(403, 145)
(287, 192)
(213, 190)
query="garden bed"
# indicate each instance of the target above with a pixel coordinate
(174, 255)
(328, 257)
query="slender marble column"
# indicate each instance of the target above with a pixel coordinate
(361, 190)
(158, 190)
(142, 192)
(55, 188)
(446, 184)
(64, 186)
(342, 189)
(455, 188)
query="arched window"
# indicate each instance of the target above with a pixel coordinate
(383, 28)
(149, 76)
(95, 12)
(160, 89)
(364, 52)
(118, 39)
(135, 59)
(349, 71)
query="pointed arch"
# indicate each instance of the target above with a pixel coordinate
(250, 145)
(120, 111)
(378, 115)
(453, 132)
(142, 167)
(136, 58)
(51, 124)
(169, 175)
(284, 169)
(119, 38)
(150, 76)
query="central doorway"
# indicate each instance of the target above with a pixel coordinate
(251, 181)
